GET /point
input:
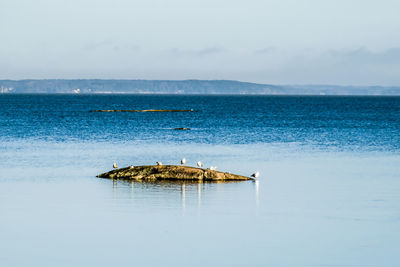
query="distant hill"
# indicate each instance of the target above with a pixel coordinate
(97, 86)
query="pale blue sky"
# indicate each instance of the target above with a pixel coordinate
(268, 41)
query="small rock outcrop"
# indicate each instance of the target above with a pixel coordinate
(171, 172)
(182, 129)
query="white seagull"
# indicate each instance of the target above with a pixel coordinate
(159, 163)
(183, 161)
(115, 165)
(199, 164)
(131, 167)
(213, 168)
(255, 175)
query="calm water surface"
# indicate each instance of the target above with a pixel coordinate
(328, 194)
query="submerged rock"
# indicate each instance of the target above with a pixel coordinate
(170, 172)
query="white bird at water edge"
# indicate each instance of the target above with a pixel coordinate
(183, 161)
(159, 163)
(255, 175)
(115, 165)
(199, 164)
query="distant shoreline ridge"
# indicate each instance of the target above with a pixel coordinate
(121, 86)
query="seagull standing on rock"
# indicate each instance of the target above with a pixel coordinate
(255, 175)
(183, 161)
(159, 163)
(199, 164)
(115, 165)
(213, 168)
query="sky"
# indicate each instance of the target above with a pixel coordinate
(339, 42)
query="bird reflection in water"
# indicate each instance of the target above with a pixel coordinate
(257, 192)
(199, 194)
(115, 188)
(183, 196)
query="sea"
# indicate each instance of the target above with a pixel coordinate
(328, 193)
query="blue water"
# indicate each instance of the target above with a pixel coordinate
(328, 194)
(340, 122)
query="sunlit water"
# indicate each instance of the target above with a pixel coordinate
(328, 194)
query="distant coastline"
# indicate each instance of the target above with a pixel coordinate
(100, 86)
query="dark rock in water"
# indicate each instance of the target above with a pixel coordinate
(142, 110)
(170, 172)
(183, 129)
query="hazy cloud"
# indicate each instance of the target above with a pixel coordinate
(266, 50)
(110, 45)
(96, 45)
(363, 55)
(133, 47)
(359, 66)
(198, 53)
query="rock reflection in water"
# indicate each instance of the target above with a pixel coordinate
(186, 190)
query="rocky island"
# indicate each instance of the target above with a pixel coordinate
(170, 172)
(142, 110)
